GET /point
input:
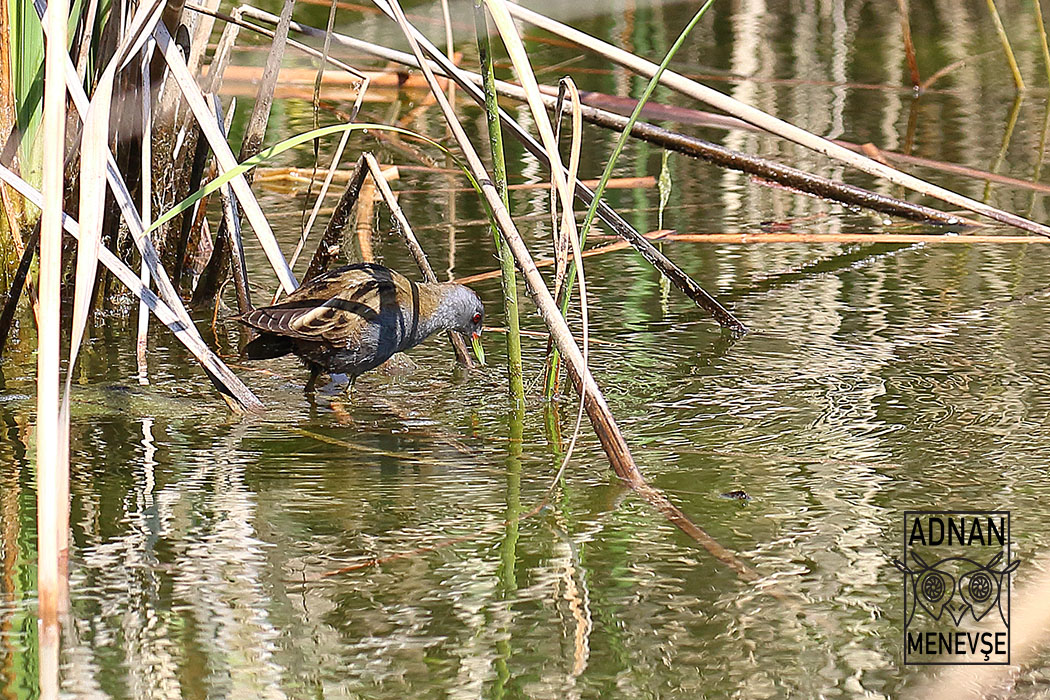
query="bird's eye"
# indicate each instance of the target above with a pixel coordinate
(477, 318)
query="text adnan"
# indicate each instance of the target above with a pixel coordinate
(958, 530)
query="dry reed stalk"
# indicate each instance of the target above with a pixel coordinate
(220, 60)
(294, 175)
(329, 174)
(785, 175)
(251, 144)
(328, 247)
(172, 312)
(94, 162)
(613, 442)
(146, 192)
(238, 396)
(653, 110)
(450, 50)
(552, 373)
(231, 219)
(199, 40)
(52, 437)
(224, 156)
(316, 105)
(9, 128)
(85, 41)
(560, 233)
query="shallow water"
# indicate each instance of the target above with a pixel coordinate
(875, 379)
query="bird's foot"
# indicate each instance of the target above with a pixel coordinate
(339, 384)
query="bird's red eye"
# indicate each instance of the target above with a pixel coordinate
(477, 318)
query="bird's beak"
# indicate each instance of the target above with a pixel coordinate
(479, 352)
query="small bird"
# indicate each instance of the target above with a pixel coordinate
(354, 318)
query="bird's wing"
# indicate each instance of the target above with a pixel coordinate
(333, 308)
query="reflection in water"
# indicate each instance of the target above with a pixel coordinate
(876, 379)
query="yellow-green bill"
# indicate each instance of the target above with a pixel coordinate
(475, 342)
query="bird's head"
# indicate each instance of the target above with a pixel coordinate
(468, 315)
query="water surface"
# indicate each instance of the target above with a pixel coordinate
(875, 379)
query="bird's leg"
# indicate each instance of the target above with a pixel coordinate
(315, 372)
(338, 406)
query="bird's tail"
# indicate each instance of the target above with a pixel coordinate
(267, 346)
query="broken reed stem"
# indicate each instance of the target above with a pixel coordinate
(328, 246)
(224, 157)
(685, 115)
(364, 213)
(201, 154)
(508, 277)
(250, 146)
(1005, 41)
(405, 231)
(231, 219)
(317, 204)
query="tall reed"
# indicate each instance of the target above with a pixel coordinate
(499, 175)
(52, 452)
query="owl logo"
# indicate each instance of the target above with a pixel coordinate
(958, 586)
